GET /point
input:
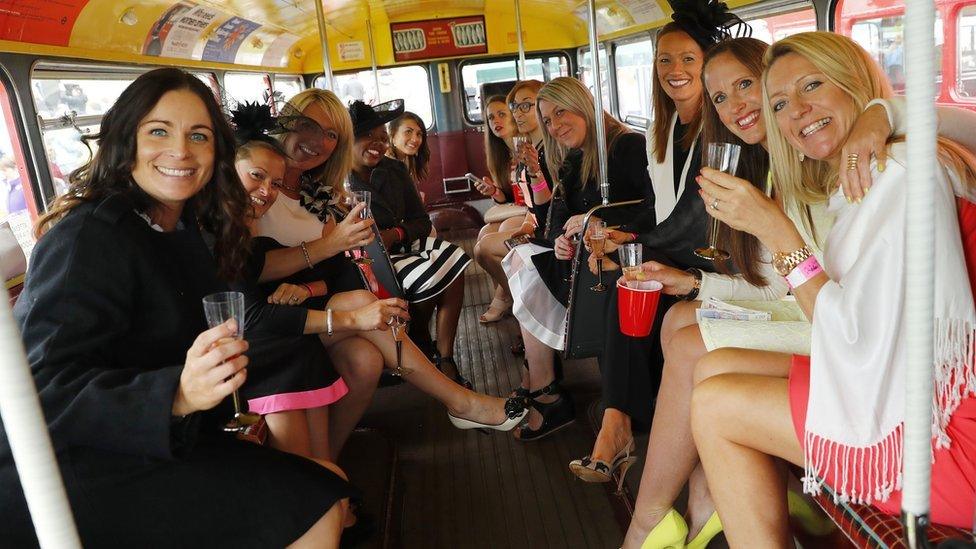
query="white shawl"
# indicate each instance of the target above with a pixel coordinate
(856, 406)
(662, 173)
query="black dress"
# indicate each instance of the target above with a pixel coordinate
(425, 266)
(631, 367)
(108, 312)
(289, 370)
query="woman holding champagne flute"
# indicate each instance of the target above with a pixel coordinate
(127, 373)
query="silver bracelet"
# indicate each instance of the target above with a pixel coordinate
(328, 322)
(308, 259)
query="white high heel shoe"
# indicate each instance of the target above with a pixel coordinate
(514, 408)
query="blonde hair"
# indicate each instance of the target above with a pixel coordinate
(334, 171)
(570, 94)
(846, 65)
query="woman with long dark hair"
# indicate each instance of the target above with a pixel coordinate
(408, 144)
(132, 383)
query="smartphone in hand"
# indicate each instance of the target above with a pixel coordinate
(516, 241)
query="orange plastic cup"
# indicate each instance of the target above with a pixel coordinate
(637, 305)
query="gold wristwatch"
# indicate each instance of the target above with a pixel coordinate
(785, 262)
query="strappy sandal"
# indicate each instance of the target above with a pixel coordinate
(497, 310)
(458, 378)
(555, 415)
(597, 470)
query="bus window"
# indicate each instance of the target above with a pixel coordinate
(775, 27)
(409, 83)
(480, 72)
(245, 87)
(587, 78)
(966, 54)
(55, 97)
(15, 206)
(881, 34)
(286, 86)
(634, 62)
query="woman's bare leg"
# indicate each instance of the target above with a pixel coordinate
(489, 252)
(360, 365)
(488, 229)
(289, 432)
(459, 401)
(449, 305)
(741, 424)
(541, 373)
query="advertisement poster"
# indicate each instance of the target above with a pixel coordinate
(162, 27)
(438, 38)
(178, 30)
(39, 21)
(227, 39)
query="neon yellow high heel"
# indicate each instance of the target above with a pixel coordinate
(670, 533)
(809, 518)
(711, 529)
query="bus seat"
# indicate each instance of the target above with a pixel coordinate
(584, 331)
(454, 216)
(381, 269)
(864, 525)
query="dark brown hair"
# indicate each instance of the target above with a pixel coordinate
(417, 165)
(664, 106)
(221, 205)
(744, 248)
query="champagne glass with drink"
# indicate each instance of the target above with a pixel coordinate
(398, 326)
(630, 261)
(725, 158)
(598, 240)
(362, 197)
(219, 308)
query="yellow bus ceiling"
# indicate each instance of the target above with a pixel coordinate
(282, 35)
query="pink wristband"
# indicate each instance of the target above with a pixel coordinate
(540, 186)
(803, 272)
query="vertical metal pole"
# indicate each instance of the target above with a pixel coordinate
(372, 58)
(29, 441)
(919, 258)
(601, 130)
(521, 44)
(326, 64)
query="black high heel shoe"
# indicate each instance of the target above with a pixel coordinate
(555, 415)
(458, 378)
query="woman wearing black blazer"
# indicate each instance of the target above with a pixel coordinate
(130, 379)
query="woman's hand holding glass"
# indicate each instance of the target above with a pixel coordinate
(377, 315)
(675, 281)
(741, 205)
(351, 233)
(215, 367)
(868, 136)
(528, 155)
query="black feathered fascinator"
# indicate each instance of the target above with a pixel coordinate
(708, 21)
(252, 122)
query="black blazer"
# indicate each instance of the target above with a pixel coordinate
(395, 200)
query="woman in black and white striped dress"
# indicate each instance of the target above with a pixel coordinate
(429, 269)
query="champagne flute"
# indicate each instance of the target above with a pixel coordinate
(219, 308)
(725, 158)
(398, 326)
(362, 197)
(598, 240)
(630, 261)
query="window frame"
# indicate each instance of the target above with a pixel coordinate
(649, 36)
(430, 94)
(542, 56)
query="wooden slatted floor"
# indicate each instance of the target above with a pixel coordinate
(465, 489)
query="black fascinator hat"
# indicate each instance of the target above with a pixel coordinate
(708, 21)
(366, 117)
(252, 122)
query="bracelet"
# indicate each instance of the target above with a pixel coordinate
(308, 258)
(401, 234)
(803, 272)
(307, 287)
(690, 296)
(328, 322)
(540, 186)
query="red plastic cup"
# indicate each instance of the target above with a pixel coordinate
(637, 305)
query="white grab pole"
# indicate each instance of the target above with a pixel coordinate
(601, 131)
(521, 44)
(372, 58)
(323, 39)
(920, 256)
(30, 444)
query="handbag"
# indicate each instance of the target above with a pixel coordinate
(501, 212)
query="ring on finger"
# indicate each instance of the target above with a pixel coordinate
(715, 204)
(391, 321)
(852, 161)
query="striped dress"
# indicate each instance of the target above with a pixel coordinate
(428, 265)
